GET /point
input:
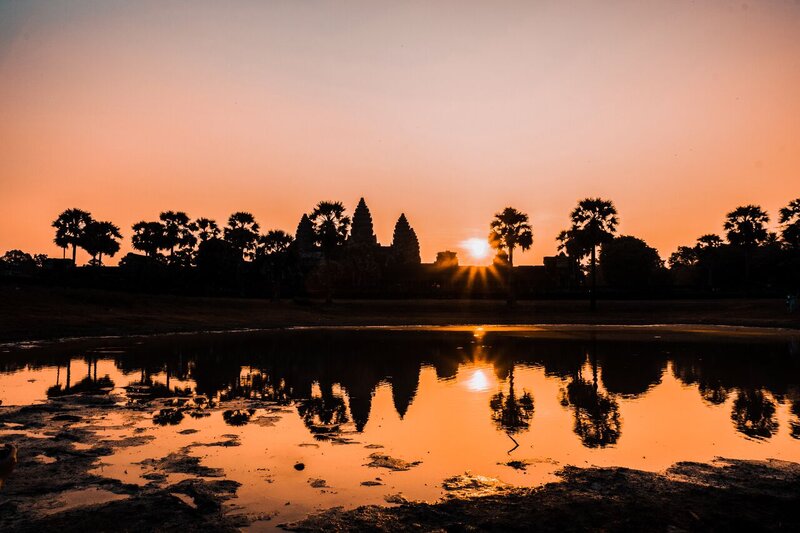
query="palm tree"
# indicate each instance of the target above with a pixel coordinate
(594, 222)
(207, 229)
(705, 251)
(148, 237)
(70, 226)
(790, 221)
(275, 246)
(330, 232)
(178, 234)
(274, 242)
(242, 233)
(100, 238)
(746, 227)
(509, 229)
(708, 240)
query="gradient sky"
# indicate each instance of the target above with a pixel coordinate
(447, 111)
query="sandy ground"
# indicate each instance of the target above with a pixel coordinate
(38, 313)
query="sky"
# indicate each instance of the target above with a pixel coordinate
(445, 111)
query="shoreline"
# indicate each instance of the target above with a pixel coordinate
(686, 497)
(577, 328)
(57, 314)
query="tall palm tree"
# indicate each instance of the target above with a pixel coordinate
(242, 233)
(746, 227)
(207, 229)
(275, 246)
(705, 249)
(790, 222)
(70, 226)
(178, 235)
(275, 241)
(594, 222)
(330, 232)
(100, 238)
(510, 229)
(148, 237)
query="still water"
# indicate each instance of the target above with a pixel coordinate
(430, 402)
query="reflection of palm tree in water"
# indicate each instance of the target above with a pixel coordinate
(714, 393)
(795, 424)
(510, 413)
(91, 383)
(754, 414)
(597, 420)
(325, 411)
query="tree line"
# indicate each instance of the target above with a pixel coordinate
(334, 249)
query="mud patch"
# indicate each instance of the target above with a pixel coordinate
(392, 463)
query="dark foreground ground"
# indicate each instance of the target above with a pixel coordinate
(725, 496)
(38, 313)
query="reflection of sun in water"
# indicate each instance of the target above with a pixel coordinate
(477, 248)
(478, 382)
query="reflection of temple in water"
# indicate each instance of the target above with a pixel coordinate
(332, 376)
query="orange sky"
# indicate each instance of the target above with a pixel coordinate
(447, 111)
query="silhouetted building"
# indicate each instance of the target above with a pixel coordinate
(362, 232)
(405, 245)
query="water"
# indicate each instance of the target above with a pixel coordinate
(443, 401)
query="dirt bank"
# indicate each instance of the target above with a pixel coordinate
(725, 496)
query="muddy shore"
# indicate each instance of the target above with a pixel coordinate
(39, 313)
(725, 496)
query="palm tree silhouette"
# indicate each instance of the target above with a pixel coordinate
(275, 246)
(70, 226)
(753, 414)
(704, 249)
(148, 237)
(594, 222)
(325, 413)
(178, 234)
(242, 233)
(745, 227)
(100, 238)
(790, 222)
(207, 229)
(597, 421)
(330, 231)
(509, 229)
(511, 413)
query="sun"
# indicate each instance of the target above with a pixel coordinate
(477, 248)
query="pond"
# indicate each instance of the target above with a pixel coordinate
(310, 419)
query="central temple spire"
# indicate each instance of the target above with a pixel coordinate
(362, 232)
